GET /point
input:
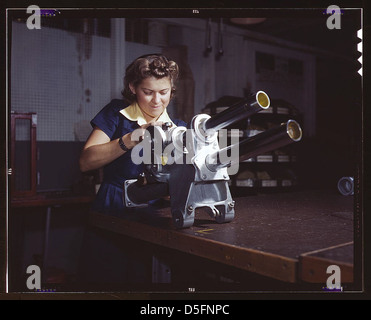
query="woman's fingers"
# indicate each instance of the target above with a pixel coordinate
(138, 134)
(152, 123)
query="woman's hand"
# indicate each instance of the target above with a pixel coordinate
(99, 150)
(137, 135)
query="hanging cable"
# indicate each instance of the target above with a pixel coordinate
(208, 46)
(220, 39)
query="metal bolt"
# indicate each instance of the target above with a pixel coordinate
(231, 204)
(190, 208)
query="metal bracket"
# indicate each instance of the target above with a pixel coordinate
(127, 201)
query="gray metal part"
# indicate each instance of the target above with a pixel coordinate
(216, 196)
(202, 146)
(127, 201)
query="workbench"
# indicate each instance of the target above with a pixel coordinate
(289, 237)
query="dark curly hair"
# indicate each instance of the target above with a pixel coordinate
(150, 65)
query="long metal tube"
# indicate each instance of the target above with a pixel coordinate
(266, 141)
(138, 193)
(238, 111)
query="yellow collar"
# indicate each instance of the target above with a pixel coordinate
(134, 113)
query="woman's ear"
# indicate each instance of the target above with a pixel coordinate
(132, 88)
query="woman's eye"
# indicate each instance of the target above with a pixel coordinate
(163, 92)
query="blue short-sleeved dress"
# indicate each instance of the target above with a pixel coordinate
(109, 198)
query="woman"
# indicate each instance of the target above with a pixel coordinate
(149, 85)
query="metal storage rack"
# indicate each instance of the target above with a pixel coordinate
(270, 171)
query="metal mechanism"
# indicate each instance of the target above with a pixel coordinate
(189, 165)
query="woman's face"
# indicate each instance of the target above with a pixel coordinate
(153, 95)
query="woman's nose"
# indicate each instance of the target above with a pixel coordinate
(156, 97)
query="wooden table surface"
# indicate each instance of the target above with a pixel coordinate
(269, 235)
(46, 199)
